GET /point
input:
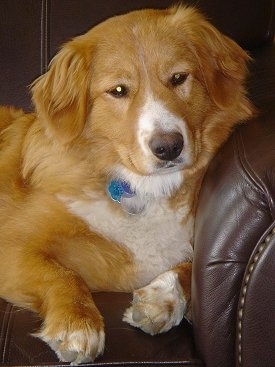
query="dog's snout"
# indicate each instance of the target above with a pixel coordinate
(167, 146)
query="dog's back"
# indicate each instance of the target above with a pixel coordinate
(14, 124)
(8, 115)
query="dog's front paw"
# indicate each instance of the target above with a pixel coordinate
(75, 339)
(159, 306)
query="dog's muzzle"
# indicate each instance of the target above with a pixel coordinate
(166, 146)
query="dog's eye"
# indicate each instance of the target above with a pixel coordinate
(119, 91)
(178, 79)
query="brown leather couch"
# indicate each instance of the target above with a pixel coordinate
(233, 292)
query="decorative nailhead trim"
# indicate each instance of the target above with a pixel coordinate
(244, 290)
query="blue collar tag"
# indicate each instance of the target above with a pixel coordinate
(119, 189)
(121, 192)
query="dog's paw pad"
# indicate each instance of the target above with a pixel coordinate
(157, 307)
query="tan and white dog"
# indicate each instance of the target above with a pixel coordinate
(98, 187)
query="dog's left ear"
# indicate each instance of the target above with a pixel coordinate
(223, 64)
(60, 95)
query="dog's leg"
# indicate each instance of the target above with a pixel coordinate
(73, 327)
(50, 262)
(163, 303)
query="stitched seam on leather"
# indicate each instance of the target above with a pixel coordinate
(243, 294)
(44, 36)
(269, 33)
(271, 25)
(5, 332)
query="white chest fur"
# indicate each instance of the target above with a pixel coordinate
(156, 237)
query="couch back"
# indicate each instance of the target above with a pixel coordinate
(31, 32)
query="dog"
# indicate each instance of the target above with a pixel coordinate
(99, 185)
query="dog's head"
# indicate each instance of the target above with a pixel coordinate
(151, 92)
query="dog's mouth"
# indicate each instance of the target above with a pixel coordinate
(169, 166)
(160, 167)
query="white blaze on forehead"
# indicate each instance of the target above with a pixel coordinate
(156, 117)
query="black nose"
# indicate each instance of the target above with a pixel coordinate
(166, 146)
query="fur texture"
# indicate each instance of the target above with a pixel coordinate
(145, 98)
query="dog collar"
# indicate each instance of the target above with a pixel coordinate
(121, 192)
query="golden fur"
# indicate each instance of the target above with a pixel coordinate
(50, 257)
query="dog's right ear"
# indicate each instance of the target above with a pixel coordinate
(60, 95)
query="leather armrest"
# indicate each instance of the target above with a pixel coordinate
(256, 309)
(236, 207)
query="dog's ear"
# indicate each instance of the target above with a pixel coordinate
(223, 64)
(60, 95)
